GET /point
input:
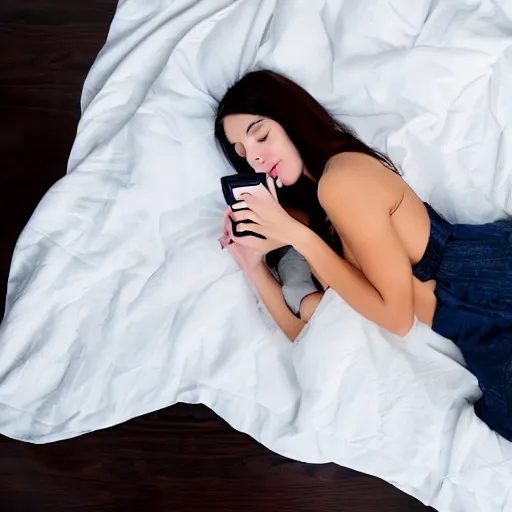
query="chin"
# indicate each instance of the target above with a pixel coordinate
(288, 182)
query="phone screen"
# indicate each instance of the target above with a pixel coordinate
(238, 191)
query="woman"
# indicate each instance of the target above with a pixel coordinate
(365, 233)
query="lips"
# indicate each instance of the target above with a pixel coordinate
(273, 172)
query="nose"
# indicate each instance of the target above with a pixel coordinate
(256, 160)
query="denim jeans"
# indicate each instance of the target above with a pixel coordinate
(472, 265)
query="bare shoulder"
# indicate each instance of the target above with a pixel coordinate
(349, 177)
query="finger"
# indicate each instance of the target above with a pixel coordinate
(224, 240)
(245, 215)
(255, 228)
(229, 230)
(261, 190)
(262, 194)
(226, 218)
(247, 198)
(272, 187)
(249, 201)
(252, 242)
(228, 227)
(239, 205)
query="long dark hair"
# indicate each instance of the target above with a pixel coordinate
(314, 132)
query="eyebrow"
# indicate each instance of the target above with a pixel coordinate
(249, 128)
(252, 124)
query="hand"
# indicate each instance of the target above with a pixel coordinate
(249, 260)
(269, 217)
(249, 255)
(225, 239)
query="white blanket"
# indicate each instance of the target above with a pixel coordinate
(121, 302)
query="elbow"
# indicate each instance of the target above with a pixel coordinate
(296, 330)
(404, 328)
(401, 323)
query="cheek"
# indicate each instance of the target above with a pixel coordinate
(285, 149)
(294, 155)
(282, 148)
(291, 150)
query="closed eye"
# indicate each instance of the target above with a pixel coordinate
(263, 139)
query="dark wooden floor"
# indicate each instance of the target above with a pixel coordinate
(183, 458)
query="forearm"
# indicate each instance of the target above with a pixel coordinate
(322, 282)
(271, 294)
(346, 280)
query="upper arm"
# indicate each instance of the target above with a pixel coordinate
(358, 195)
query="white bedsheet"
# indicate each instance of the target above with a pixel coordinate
(121, 302)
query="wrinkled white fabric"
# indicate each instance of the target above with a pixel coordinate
(121, 302)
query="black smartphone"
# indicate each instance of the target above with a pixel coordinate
(236, 184)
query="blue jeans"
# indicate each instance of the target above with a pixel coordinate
(472, 265)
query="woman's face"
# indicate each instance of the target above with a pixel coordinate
(265, 145)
